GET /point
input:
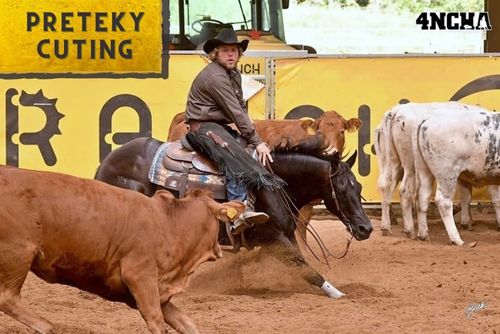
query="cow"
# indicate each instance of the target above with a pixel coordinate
(446, 147)
(329, 129)
(116, 243)
(393, 146)
(395, 156)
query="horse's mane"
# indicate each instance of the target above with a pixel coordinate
(298, 158)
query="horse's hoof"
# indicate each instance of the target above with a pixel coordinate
(331, 291)
(472, 244)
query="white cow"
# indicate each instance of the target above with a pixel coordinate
(393, 145)
(449, 146)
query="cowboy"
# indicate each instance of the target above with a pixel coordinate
(216, 100)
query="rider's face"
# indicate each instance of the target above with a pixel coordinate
(228, 56)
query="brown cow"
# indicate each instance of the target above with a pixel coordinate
(116, 243)
(329, 129)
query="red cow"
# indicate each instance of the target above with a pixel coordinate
(116, 243)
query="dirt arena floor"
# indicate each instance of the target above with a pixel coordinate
(393, 285)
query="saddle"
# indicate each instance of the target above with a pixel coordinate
(191, 170)
(181, 170)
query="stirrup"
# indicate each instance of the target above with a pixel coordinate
(248, 220)
(239, 226)
(255, 218)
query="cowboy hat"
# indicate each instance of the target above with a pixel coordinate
(226, 36)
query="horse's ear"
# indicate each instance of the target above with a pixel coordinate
(352, 159)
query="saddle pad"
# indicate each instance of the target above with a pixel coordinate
(161, 176)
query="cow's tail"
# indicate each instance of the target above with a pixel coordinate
(384, 147)
(419, 160)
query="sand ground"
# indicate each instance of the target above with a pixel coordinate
(393, 285)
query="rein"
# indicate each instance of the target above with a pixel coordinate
(287, 201)
(342, 215)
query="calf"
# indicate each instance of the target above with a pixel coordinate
(116, 243)
(464, 145)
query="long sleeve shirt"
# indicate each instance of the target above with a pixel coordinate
(216, 95)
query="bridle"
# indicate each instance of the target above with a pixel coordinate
(341, 213)
(288, 203)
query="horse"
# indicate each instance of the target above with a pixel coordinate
(308, 177)
(326, 133)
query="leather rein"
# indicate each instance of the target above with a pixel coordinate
(341, 213)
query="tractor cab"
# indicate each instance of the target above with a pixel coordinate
(192, 22)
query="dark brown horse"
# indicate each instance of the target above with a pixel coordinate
(308, 178)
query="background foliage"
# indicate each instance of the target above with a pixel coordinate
(412, 6)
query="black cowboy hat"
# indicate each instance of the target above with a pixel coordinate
(226, 36)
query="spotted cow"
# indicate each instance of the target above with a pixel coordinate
(463, 145)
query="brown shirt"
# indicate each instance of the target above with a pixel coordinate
(216, 95)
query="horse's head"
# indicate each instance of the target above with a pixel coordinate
(345, 198)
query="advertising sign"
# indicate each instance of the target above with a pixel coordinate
(93, 38)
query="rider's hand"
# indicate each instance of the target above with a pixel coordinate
(264, 153)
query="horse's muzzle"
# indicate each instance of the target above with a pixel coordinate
(361, 231)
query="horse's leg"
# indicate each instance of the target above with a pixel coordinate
(284, 251)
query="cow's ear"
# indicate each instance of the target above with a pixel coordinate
(229, 211)
(353, 124)
(164, 194)
(306, 122)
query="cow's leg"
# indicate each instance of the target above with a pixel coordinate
(406, 191)
(284, 251)
(444, 200)
(12, 305)
(465, 191)
(387, 182)
(142, 283)
(177, 319)
(14, 268)
(424, 191)
(494, 191)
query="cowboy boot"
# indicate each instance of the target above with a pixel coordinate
(249, 217)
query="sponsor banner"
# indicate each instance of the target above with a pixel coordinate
(366, 87)
(68, 125)
(68, 38)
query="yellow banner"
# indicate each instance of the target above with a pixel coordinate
(68, 125)
(366, 87)
(81, 37)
